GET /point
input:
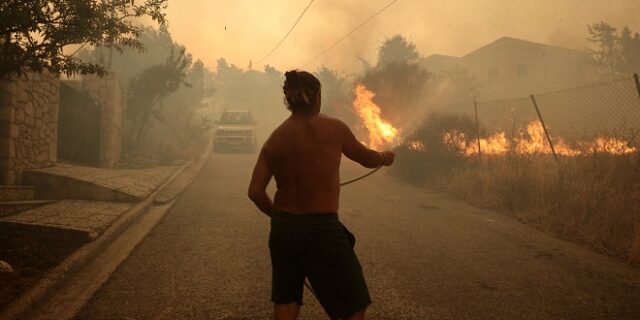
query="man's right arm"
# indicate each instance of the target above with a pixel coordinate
(356, 151)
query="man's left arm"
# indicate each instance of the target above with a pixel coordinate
(258, 187)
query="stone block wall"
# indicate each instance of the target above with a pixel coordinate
(28, 123)
(108, 93)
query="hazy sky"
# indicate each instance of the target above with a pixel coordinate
(453, 27)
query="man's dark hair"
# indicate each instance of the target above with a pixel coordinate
(301, 90)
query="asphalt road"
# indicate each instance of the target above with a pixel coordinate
(425, 255)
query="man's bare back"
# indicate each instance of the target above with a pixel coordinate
(303, 155)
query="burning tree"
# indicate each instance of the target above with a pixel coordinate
(397, 79)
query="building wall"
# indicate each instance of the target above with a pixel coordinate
(514, 69)
(28, 124)
(107, 92)
(510, 68)
(436, 64)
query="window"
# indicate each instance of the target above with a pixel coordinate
(521, 70)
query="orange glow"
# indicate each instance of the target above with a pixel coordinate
(416, 145)
(611, 145)
(533, 141)
(381, 132)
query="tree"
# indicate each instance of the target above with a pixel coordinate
(606, 56)
(336, 95)
(399, 88)
(34, 34)
(397, 50)
(151, 86)
(630, 50)
(127, 63)
(398, 81)
(182, 112)
(616, 53)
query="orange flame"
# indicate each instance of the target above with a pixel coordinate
(381, 132)
(533, 141)
(416, 145)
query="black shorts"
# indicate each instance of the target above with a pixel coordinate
(320, 248)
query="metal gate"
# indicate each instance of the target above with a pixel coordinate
(78, 127)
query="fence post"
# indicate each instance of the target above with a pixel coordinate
(475, 105)
(635, 76)
(546, 133)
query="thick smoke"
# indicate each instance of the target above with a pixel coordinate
(454, 28)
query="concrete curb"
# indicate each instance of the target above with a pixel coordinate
(195, 167)
(64, 303)
(53, 279)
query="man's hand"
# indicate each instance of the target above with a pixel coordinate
(389, 157)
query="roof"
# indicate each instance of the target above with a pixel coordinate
(441, 57)
(440, 61)
(515, 41)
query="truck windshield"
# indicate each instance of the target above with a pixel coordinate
(235, 118)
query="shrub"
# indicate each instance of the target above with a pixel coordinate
(437, 158)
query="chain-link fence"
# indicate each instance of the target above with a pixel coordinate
(609, 109)
(506, 116)
(604, 110)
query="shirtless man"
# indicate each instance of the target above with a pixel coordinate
(307, 239)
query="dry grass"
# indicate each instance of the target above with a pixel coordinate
(593, 199)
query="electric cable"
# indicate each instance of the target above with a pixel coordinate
(350, 32)
(287, 34)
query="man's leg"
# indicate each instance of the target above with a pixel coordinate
(357, 316)
(288, 311)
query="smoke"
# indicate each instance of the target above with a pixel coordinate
(564, 38)
(453, 28)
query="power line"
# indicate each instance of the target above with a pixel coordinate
(350, 32)
(288, 32)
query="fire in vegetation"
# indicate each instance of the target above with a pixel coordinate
(416, 145)
(381, 132)
(532, 141)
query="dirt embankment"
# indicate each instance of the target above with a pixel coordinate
(32, 251)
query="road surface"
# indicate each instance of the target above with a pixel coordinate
(425, 255)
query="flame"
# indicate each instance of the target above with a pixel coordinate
(455, 140)
(612, 146)
(416, 145)
(381, 132)
(533, 141)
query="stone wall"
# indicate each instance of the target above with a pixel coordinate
(28, 123)
(107, 92)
